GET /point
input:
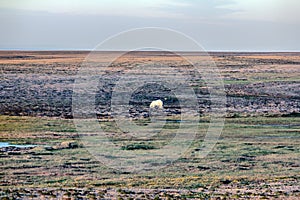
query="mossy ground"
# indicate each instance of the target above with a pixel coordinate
(253, 155)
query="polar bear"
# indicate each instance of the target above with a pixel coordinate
(157, 104)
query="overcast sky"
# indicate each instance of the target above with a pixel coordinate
(234, 25)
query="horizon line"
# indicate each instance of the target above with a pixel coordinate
(212, 50)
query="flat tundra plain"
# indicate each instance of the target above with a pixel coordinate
(256, 156)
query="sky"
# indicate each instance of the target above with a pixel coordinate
(218, 25)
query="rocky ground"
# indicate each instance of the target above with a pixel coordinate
(143, 194)
(41, 84)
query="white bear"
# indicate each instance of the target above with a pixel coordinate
(157, 104)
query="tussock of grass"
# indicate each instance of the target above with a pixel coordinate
(137, 146)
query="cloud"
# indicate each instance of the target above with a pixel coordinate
(141, 8)
(282, 11)
(217, 24)
(285, 11)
